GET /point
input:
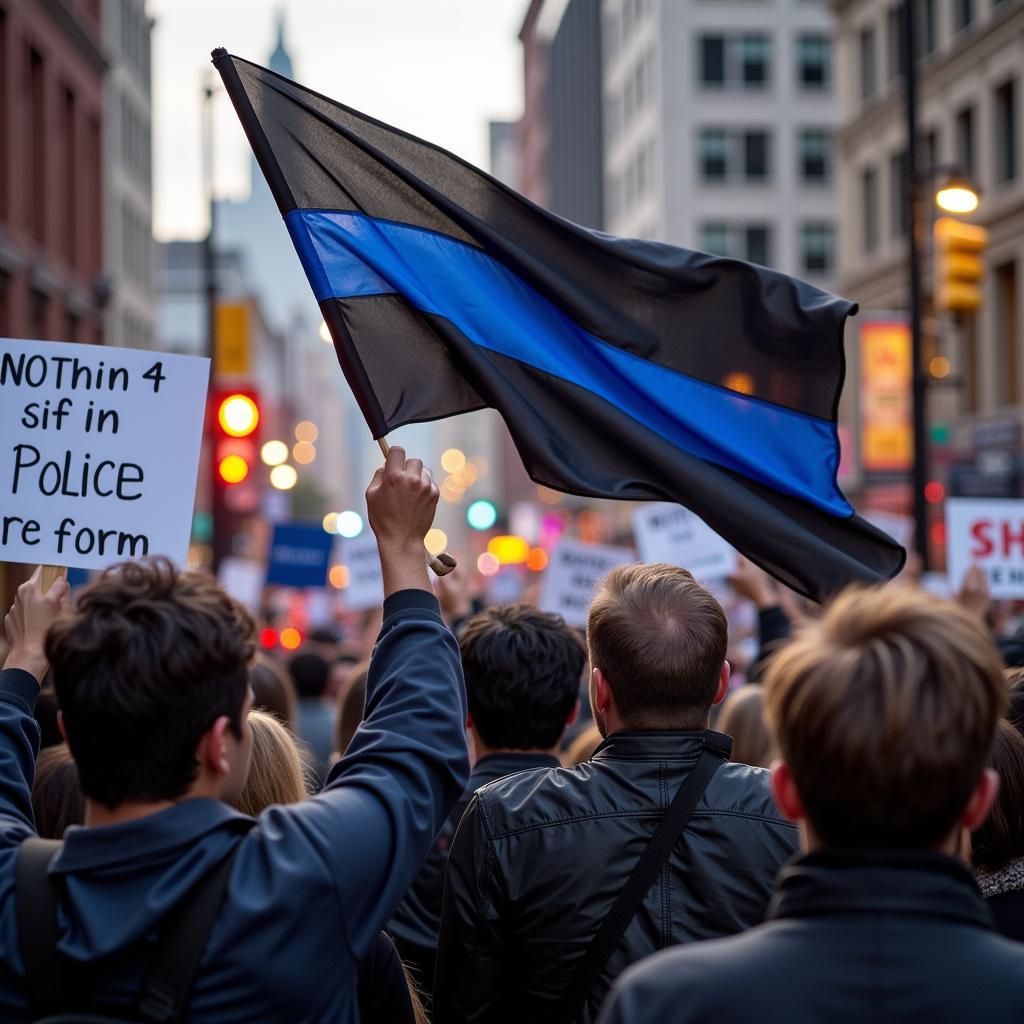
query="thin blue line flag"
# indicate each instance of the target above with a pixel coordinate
(623, 368)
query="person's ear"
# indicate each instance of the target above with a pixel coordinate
(602, 691)
(574, 714)
(981, 800)
(723, 684)
(213, 747)
(784, 790)
(60, 725)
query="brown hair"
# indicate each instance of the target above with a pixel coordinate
(1000, 838)
(275, 774)
(742, 718)
(660, 639)
(885, 710)
(57, 799)
(272, 689)
(351, 699)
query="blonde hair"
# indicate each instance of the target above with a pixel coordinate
(275, 775)
(885, 710)
(582, 747)
(742, 718)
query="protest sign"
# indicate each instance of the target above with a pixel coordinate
(299, 554)
(99, 449)
(242, 579)
(989, 533)
(670, 533)
(365, 588)
(573, 571)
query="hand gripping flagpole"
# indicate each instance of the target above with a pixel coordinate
(441, 564)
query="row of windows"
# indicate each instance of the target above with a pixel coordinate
(744, 155)
(136, 246)
(1004, 164)
(620, 21)
(636, 95)
(755, 242)
(634, 184)
(744, 61)
(927, 19)
(136, 148)
(135, 42)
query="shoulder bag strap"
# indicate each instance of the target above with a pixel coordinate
(632, 894)
(182, 944)
(36, 900)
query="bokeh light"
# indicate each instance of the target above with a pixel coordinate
(284, 478)
(435, 541)
(350, 524)
(306, 431)
(273, 453)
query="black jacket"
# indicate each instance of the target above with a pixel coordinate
(854, 937)
(416, 922)
(540, 857)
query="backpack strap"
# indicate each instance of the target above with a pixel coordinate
(183, 940)
(632, 894)
(36, 898)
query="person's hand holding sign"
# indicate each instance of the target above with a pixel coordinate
(400, 502)
(29, 620)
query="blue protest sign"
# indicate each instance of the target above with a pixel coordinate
(299, 555)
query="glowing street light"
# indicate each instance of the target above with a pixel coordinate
(274, 453)
(284, 477)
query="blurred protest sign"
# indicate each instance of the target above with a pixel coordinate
(99, 449)
(365, 587)
(299, 553)
(989, 533)
(573, 571)
(243, 580)
(666, 532)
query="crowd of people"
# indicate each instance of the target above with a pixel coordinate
(494, 818)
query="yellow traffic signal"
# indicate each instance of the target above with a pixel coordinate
(238, 415)
(958, 265)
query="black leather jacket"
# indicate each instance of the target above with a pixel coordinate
(539, 858)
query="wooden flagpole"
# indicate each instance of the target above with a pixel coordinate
(441, 564)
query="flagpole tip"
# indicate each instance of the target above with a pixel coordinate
(218, 53)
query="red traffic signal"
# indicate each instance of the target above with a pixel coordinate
(237, 417)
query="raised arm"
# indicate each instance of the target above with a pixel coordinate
(26, 625)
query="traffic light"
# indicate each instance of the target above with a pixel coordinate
(234, 433)
(958, 265)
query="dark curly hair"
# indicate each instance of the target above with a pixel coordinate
(523, 669)
(148, 660)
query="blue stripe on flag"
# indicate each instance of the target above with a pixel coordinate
(349, 254)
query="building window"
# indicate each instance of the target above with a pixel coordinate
(894, 41)
(868, 64)
(932, 152)
(34, 147)
(813, 61)
(734, 61)
(897, 187)
(869, 209)
(758, 238)
(963, 13)
(1006, 133)
(817, 247)
(965, 141)
(1008, 330)
(815, 156)
(714, 238)
(728, 156)
(926, 28)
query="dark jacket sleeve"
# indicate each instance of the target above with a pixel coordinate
(368, 831)
(772, 627)
(468, 983)
(383, 989)
(19, 745)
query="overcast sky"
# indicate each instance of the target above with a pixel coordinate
(437, 68)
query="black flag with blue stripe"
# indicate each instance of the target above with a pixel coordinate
(623, 368)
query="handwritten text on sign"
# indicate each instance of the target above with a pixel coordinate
(989, 533)
(572, 574)
(99, 449)
(670, 533)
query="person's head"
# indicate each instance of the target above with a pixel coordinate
(523, 669)
(57, 800)
(351, 699)
(884, 711)
(1000, 838)
(151, 674)
(275, 774)
(272, 690)
(657, 644)
(1015, 695)
(309, 673)
(742, 718)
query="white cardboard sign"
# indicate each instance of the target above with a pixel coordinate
(243, 580)
(99, 449)
(989, 533)
(365, 584)
(572, 573)
(666, 532)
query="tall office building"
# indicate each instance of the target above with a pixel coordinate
(718, 125)
(129, 249)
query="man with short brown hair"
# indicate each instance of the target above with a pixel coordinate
(540, 858)
(885, 712)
